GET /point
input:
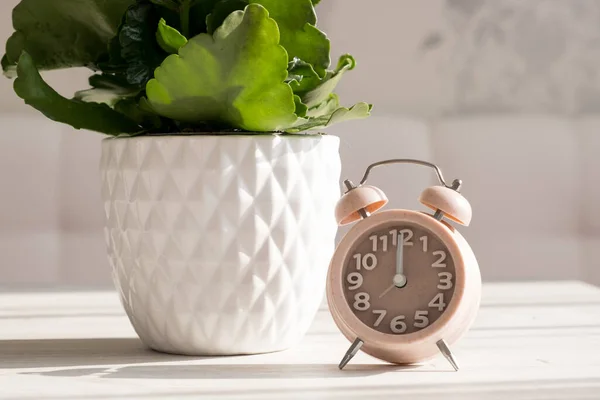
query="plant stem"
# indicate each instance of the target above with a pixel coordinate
(184, 17)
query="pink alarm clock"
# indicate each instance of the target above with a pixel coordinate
(403, 285)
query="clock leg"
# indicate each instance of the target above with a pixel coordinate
(445, 350)
(354, 348)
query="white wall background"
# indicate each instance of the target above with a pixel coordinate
(501, 93)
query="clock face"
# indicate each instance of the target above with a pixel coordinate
(398, 278)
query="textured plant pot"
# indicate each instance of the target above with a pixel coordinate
(220, 244)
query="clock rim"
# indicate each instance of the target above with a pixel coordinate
(343, 314)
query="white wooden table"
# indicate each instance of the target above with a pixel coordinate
(530, 341)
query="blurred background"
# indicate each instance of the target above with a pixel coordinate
(503, 94)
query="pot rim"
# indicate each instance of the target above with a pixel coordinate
(239, 135)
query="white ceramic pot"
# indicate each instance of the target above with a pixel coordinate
(220, 244)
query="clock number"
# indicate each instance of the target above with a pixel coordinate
(368, 262)
(361, 301)
(406, 234)
(424, 240)
(384, 242)
(355, 280)
(438, 302)
(394, 234)
(421, 319)
(445, 280)
(381, 314)
(439, 263)
(374, 240)
(358, 257)
(398, 325)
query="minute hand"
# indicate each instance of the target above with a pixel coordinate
(400, 256)
(400, 278)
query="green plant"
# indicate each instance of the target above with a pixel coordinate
(173, 66)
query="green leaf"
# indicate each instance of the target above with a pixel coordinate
(107, 89)
(30, 86)
(235, 77)
(184, 16)
(315, 2)
(302, 77)
(301, 108)
(112, 62)
(328, 85)
(170, 4)
(296, 20)
(310, 86)
(328, 107)
(191, 14)
(64, 33)
(10, 71)
(359, 111)
(221, 11)
(199, 13)
(138, 46)
(107, 81)
(5, 62)
(169, 39)
(143, 115)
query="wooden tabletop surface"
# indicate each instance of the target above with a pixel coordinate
(530, 341)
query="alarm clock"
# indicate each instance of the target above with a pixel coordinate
(403, 285)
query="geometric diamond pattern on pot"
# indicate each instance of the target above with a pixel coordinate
(220, 244)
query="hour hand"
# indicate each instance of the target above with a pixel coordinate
(386, 291)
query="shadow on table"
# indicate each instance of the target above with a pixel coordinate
(77, 352)
(227, 371)
(118, 354)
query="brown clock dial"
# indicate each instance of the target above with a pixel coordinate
(398, 278)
